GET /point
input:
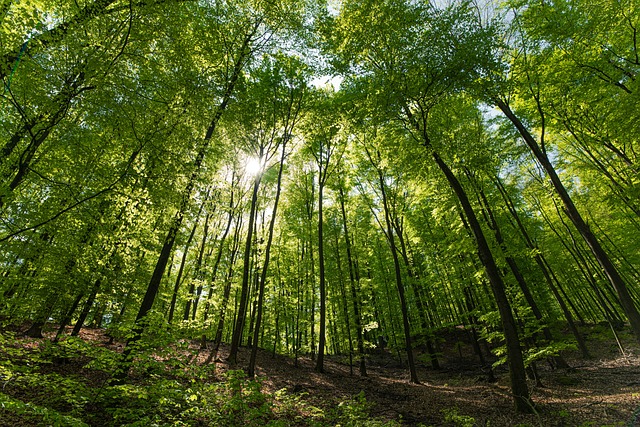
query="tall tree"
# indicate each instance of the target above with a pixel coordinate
(392, 237)
(325, 147)
(415, 80)
(354, 277)
(600, 58)
(288, 88)
(239, 55)
(266, 113)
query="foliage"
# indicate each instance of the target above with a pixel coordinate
(355, 413)
(452, 415)
(181, 395)
(43, 414)
(127, 130)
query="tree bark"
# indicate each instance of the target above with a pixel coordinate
(265, 266)
(354, 287)
(517, 372)
(246, 273)
(576, 218)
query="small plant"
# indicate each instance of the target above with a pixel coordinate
(355, 413)
(293, 407)
(451, 415)
(241, 401)
(48, 416)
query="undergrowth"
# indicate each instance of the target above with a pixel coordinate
(69, 384)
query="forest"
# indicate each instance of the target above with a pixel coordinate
(319, 212)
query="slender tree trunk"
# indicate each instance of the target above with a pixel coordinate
(583, 228)
(333, 326)
(167, 247)
(354, 287)
(378, 311)
(600, 299)
(398, 276)
(515, 360)
(193, 299)
(423, 308)
(265, 266)
(185, 253)
(216, 264)
(470, 305)
(276, 334)
(322, 280)
(544, 269)
(253, 287)
(226, 293)
(310, 278)
(345, 305)
(246, 273)
(87, 307)
(68, 316)
(297, 333)
(515, 270)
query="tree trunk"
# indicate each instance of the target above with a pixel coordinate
(354, 283)
(423, 309)
(167, 247)
(517, 372)
(323, 292)
(515, 270)
(87, 307)
(216, 265)
(246, 273)
(193, 299)
(176, 287)
(583, 228)
(543, 268)
(345, 305)
(227, 291)
(265, 266)
(400, 286)
(68, 316)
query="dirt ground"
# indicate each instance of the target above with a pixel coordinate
(601, 391)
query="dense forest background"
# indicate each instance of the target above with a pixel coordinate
(322, 178)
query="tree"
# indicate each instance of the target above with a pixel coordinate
(354, 276)
(389, 207)
(534, 88)
(415, 81)
(239, 55)
(324, 145)
(269, 116)
(289, 89)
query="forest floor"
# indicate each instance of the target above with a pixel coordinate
(601, 391)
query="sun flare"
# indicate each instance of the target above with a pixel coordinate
(253, 166)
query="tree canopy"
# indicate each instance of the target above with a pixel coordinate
(322, 178)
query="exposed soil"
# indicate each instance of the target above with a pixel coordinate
(601, 391)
